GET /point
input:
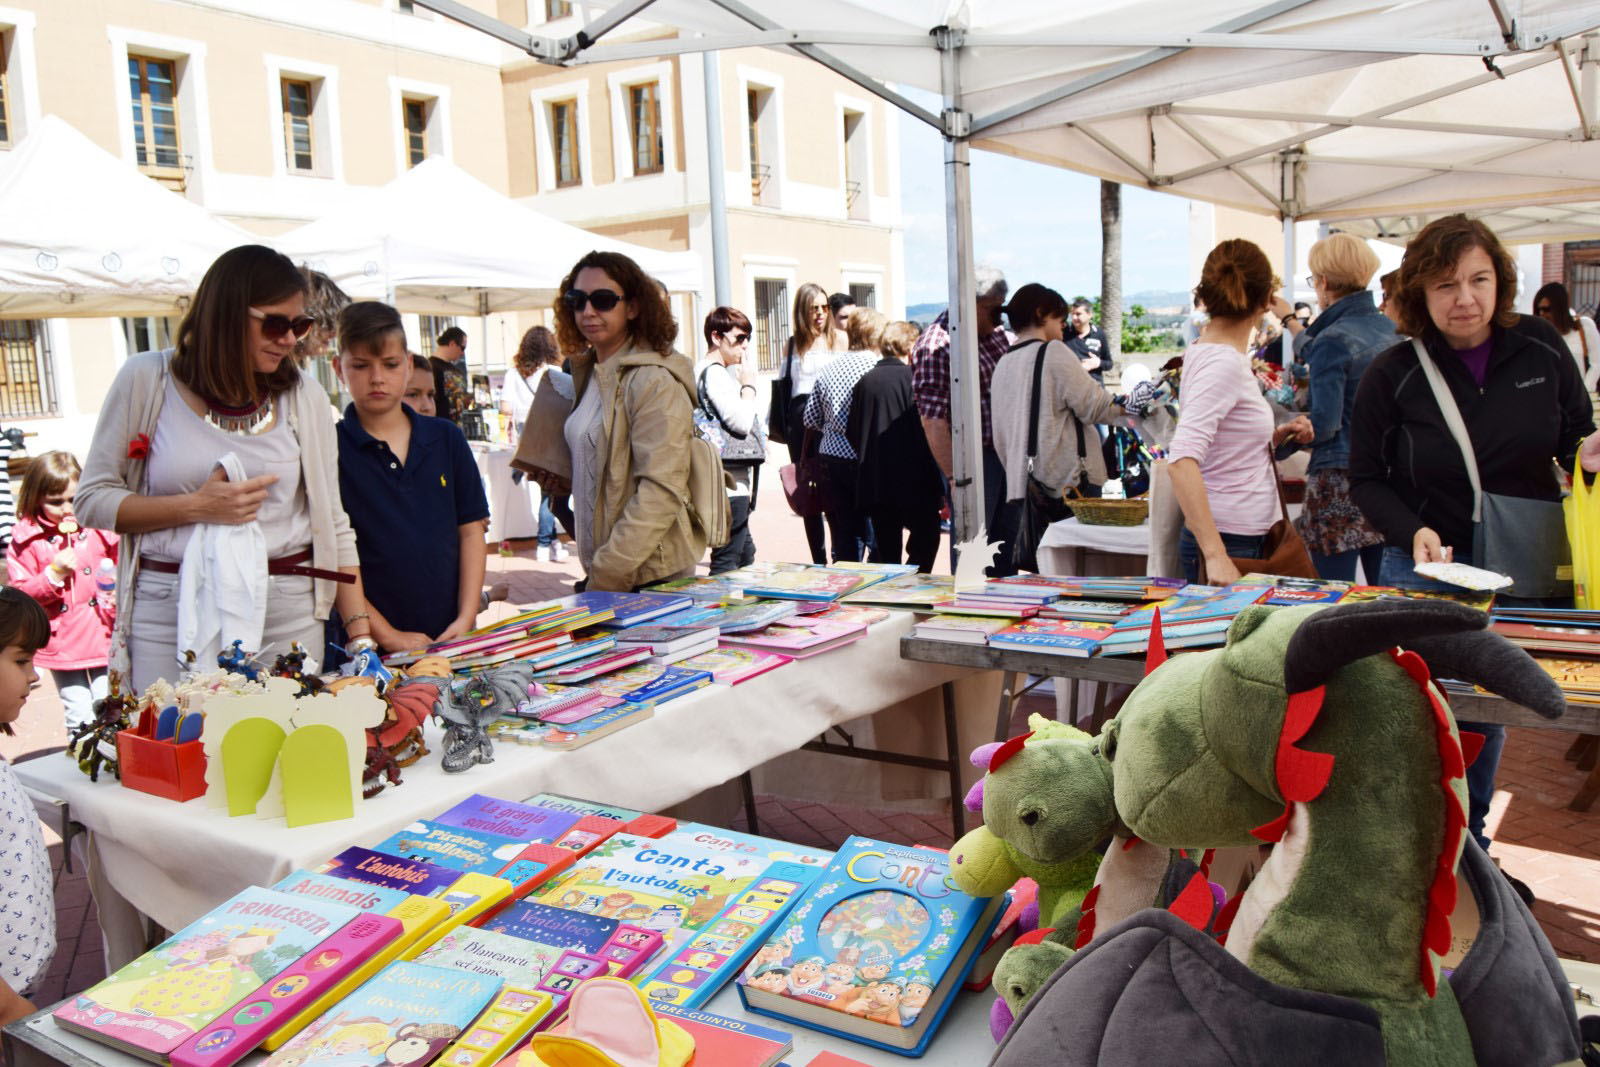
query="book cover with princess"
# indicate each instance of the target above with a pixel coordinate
(407, 1014)
(876, 951)
(163, 998)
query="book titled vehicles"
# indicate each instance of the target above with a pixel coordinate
(876, 951)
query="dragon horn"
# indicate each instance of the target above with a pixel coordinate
(1155, 653)
(1489, 660)
(1340, 635)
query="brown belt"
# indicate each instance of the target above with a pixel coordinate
(292, 564)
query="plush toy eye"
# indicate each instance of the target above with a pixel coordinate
(1108, 743)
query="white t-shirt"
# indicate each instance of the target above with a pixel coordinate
(518, 392)
(582, 431)
(804, 370)
(27, 894)
(1588, 361)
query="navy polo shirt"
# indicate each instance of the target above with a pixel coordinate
(407, 516)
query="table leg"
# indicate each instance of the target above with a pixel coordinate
(1583, 752)
(1002, 719)
(958, 809)
(747, 785)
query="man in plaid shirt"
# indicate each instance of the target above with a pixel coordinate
(930, 381)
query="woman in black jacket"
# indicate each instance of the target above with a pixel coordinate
(1518, 392)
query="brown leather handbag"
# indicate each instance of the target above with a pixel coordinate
(1283, 552)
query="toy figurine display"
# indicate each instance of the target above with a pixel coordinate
(468, 705)
(1313, 730)
(93, 745)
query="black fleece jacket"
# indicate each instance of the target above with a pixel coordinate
(1406, 471)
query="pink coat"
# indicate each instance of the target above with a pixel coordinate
(80, 626)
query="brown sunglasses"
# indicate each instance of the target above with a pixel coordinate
(275, 325)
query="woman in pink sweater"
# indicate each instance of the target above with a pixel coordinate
(57, 562)
(1222, 475)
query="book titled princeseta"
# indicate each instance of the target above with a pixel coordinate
(877, 950)
(154, 1004)
(406, 1013)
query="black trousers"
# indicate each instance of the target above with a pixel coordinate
(917, 529)
(816, 539)
(740, 551)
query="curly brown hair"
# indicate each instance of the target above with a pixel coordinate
(653, 324)
(538, 347)
(1433, 254)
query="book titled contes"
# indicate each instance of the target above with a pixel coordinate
(876, 951)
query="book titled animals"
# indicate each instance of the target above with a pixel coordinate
(876, 951)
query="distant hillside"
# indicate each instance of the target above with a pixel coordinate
(1149, 298)
(925, 313)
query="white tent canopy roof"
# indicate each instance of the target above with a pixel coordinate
(1388, 105)
(84, 234)
(443, 243)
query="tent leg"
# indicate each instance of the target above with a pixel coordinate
(722, 285)
(1288, 285)
(966, 425)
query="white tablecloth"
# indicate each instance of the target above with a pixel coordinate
(175, 861)
(1123, 540)
(510, 505)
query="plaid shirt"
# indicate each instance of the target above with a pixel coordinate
(828, 409)
(930, 371)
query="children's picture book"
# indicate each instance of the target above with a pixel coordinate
(591, 667)
(661, 640)
(564, 704)
(371, 898)
(719, 839)
(854, 613)
(651, 683)
(692, 616)
(730, 666)
(408, 1013)
(1089, 610)
(805, 637)
(990, 608)
(393, 872)
(630, 609)
(516, 961)
(1480, 600)
(558, 929)
(703, 588)
(524, 822)
(833, 1059)
(666, 659)
(876, 951)
(1058, 637)
(965, 629)
(811, 583)
(165, 997)
(452, 846)
(905, 591)
(1195, 604)
(570, 735)
(728, 1042)
(743, 618)
(579, 806)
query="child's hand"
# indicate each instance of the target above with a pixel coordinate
(65, 563)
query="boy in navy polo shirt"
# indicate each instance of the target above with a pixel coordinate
(411, 489)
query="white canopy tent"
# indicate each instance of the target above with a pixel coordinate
(84, 234)
(1373, 113)
(437, 241)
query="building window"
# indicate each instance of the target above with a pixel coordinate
(298, 97)
(148, 334)
(644, 126)
(855, 165)
(761, 111)
(864, 294)
(414, 115)
(153, 86)
(556, 9)
(27, 377)
(772, 322)
(564, 142)
(429, 327)
(5, 98)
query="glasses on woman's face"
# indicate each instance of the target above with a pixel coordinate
(602, 299)
(739, 338)
(275, 324)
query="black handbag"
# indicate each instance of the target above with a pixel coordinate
(778, 406)
(1042, 505)
(731, 446)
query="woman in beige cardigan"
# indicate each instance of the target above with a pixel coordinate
(1068, 453)
(230, 385)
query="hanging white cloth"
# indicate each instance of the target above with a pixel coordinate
(222, 583)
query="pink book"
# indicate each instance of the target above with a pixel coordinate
(806, 637)
(730, 666)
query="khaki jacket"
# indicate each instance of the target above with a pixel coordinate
(642, 531)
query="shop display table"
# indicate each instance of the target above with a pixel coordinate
(510, 507)
(1066, 546)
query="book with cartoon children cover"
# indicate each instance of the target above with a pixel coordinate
(707, 903)
(162, 999)
(407, 1013)
(878, 949)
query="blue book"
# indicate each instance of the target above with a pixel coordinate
(715, 837)
(877, 951)
(650, 683)
(406, 1013)
(374, 898)
(582, 807)
(630, 609)
(1196, 603)
(528, 823)
(453, 847)
(392, 872)
(557, 927)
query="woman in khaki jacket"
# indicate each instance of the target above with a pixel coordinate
(630, 426)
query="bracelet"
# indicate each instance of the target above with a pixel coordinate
(357, 615)
(752, 388)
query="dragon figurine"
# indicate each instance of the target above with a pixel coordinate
(1313, 730)
(468, 705)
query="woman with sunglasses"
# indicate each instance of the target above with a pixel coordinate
(630, 426)
(727, 392)
(811, 348)
(231, 384)
(1552, 304)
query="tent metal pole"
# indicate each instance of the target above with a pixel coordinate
(1288, 286)
(966, 418)
(717, 179)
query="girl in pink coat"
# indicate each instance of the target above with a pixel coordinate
(58, 563)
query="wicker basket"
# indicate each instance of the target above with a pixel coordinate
(1095, 512)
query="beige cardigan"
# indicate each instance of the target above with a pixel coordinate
(111, 475)
(1068, 396)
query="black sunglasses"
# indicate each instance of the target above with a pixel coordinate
(275, 325)
(602, 299)
(1541, 309)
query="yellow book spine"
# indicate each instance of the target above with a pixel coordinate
(502, 1026)
(468, 897)
(417, 915)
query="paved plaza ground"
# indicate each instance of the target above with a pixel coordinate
(1537, 839)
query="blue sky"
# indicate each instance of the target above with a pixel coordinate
(1036, 223)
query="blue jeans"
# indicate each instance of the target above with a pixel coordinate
(547, 522)
(1245, 546)
(1399, 570)
(1341, 566)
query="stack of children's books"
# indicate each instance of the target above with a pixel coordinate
(800, 636)
(915, 590)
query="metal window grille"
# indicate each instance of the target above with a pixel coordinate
(27, 371)
(864, 294)
(297, 142)
(564, 133)
(556, 9)
(414, 115)
(644, 112)
(772, 322)
(1582, 275)
(431, 326)
(5, 97)
(153, 88)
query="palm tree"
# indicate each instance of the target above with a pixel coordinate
(1111, 267)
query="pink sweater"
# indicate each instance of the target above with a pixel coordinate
(1225, 425)
(80, 626)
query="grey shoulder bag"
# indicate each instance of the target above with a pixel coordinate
(1512, 535)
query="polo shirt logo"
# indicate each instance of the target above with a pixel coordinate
(442, 482)
(1530, 381)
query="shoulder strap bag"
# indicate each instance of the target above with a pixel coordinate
(732, 447)
(782, 391)
(1282, 551)
(1512, 535)
(1041, 504)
